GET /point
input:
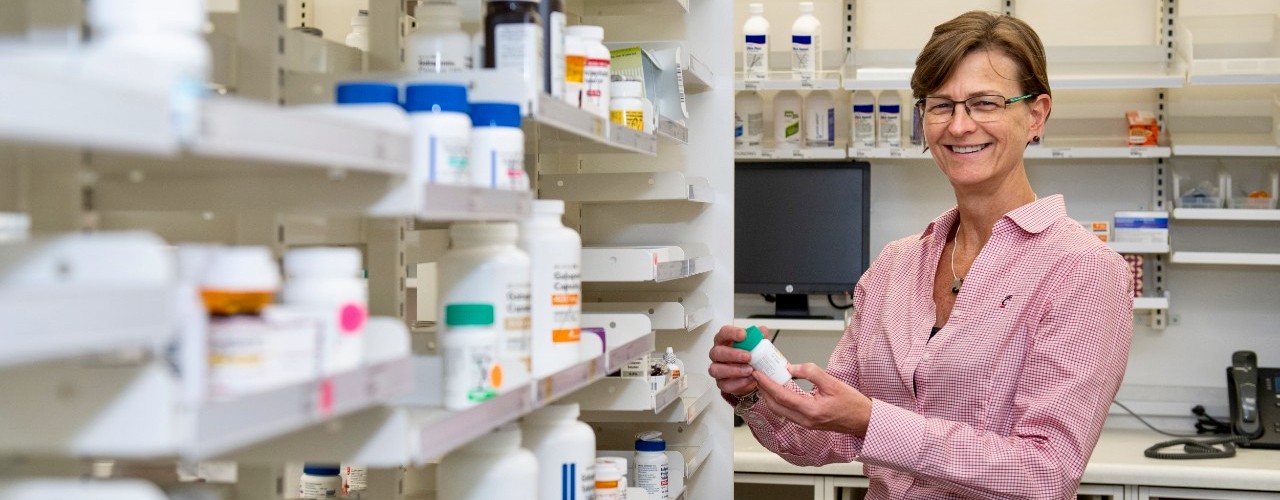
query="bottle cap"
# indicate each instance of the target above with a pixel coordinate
(435, 98)
(321, 469)
(756, 8)
(806, 7)
(361, 18)
(367, 93)
(495, 114)
(626, 88)
(607, 472)
(468, 314)
(338, 262)
(242, 269)
(586, 32)
(754, 336)
(650, 441)
(553, 207)
(619, 463)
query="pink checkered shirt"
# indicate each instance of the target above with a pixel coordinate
(1008, 399)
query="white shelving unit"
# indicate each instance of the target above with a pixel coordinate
(748, 154)
(50, 323)
(1150, 303)
(645, 264)
(905, 152)
(1226, 214)
(1139, 248)
(1229, 49)
(1226, 258)
(784, 81)
(666, 310)
(627, 187)
(686, 408)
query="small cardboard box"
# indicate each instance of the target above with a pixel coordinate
(1099, 228)
(1144, 130)
(1142, 227)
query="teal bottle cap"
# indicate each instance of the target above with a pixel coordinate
(468, 314)
(754, 336)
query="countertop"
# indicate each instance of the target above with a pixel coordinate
(1117, 459)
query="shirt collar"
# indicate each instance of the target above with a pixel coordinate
(1033, 217)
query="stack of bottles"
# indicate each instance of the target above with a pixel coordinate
(812, 121)
(659, 369)
(806, 45)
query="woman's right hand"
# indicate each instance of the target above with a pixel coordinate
(729, 365)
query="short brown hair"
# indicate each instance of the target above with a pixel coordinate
(977, 30)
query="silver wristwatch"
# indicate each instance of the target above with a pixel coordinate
(746, 402)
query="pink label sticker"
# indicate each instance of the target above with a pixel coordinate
(352, 317)
(326, 397)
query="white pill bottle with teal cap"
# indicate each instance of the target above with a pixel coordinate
(764, 356)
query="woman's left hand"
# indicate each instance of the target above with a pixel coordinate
(832, 405)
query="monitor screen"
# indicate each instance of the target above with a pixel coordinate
(802, 227)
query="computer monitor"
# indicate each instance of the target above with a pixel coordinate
(800, 228)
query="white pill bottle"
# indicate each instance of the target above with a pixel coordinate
(764, 356)
(491, 467)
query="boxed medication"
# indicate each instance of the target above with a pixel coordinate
(1144, 130)
(1142, 227)
(1099, 228)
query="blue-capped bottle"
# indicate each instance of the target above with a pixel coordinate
(755, 54)
(806, 44)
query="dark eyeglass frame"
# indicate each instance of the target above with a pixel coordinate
(965, 103)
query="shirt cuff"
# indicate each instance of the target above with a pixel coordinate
(895, 437)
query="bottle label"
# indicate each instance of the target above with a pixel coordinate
(633, 119)
(516, 322)
(357, 478)
(578, 483)
(595, 79)
(803, 58)
(791, 127)
(738, 139)
(890, 129)
(864, 129)
(449, 157)
(755, 129)
(556, 56)
(566, 303)
(468, 370)
(820, 129)
(313, 489)
(653, 478)
(756, 54)
(519, 47)
(439, 62)
(573, 68)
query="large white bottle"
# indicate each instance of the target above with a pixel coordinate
(748, 109)
(820, 120)
(787, 117)
(359, 36)
(556, 301)
(483, 266)
(596, 70)
(566, 451)
(491, 467)
(438, 45)
(806, 44)
(889, 112)
(755, 54)
(863, 123)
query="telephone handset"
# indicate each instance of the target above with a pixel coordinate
(1255, 406)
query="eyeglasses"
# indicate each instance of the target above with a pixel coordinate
(982, 108)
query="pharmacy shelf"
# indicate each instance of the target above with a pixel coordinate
(784, 81)
(56, 322)
(829, 153)
(1084, 149)
(1071, 68)
(691, 403)
(808, 325)
(1150, 303)
(139, 411)
(246, 130)
(906, 152)
(1139, 248)
(1224, 144)
(562, 128)
(645, 264)
(628, 140)
(1226, 258)
(698, 76)
(666, 310)
(673, 129)
(1229, 49)
(626, 187)
(1226, 214)
(626, 395)
(634, 7)
(466, 203)
(114, 489)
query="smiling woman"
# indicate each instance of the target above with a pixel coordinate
(998, 386)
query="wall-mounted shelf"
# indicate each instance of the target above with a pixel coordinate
(700, 394)
(1228, 214)
(1224, 144)
(642, 264)
(1150, 303)
(748, 154)
(466, 203)
(1139, 248)
(560, 127)
(808, 325)
(666, 310)
(47, 323)
(1229, 49)
(1226, 258)
(81, 489)
(698, 76)
(785, 81)
(634, 7)
(627, 395)
(626, 187)
(1083, 150)
(905, 152)
(672, 129)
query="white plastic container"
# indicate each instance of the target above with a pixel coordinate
(566, 451)
(787, 117)
(889, 114)
(806, 44)
(320, 481)
(484, 266)
(556, 304)
(755, 51)
(626, 107)
(652, 465)
(239, 280)
(514, 38)
(676, 367)
(620, 464)
(154, 46)
(863, 123)
(608, 481)
(359, 36)
(491, 467)
(820, 120)
(250, 354)
(497, 147)
(355, 480)
(326, 282)
(468, 344)
(748, 120)
(575, 61)
(441, 128)
(438, 44)
(764, 356)
(596, 72)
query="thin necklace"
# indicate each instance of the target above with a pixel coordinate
(956, 281)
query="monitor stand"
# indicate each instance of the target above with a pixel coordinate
(791, 306)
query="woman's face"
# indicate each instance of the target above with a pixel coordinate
(982, 156)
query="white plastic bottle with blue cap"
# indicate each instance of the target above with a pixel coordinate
(320, 481)
(889, 112)
(764, 356)
(375, 104)
(806, 44)
(497, 147)
(863, 120)
(755, 52)
(441, 133)
(652, 465)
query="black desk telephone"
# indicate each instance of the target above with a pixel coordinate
(1255, 406)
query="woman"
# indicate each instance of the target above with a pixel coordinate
(984, 351)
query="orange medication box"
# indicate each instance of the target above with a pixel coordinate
(1143, 128)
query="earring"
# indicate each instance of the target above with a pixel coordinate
(1035, 139)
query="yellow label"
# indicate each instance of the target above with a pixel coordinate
(573, 68)
(564, 299)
